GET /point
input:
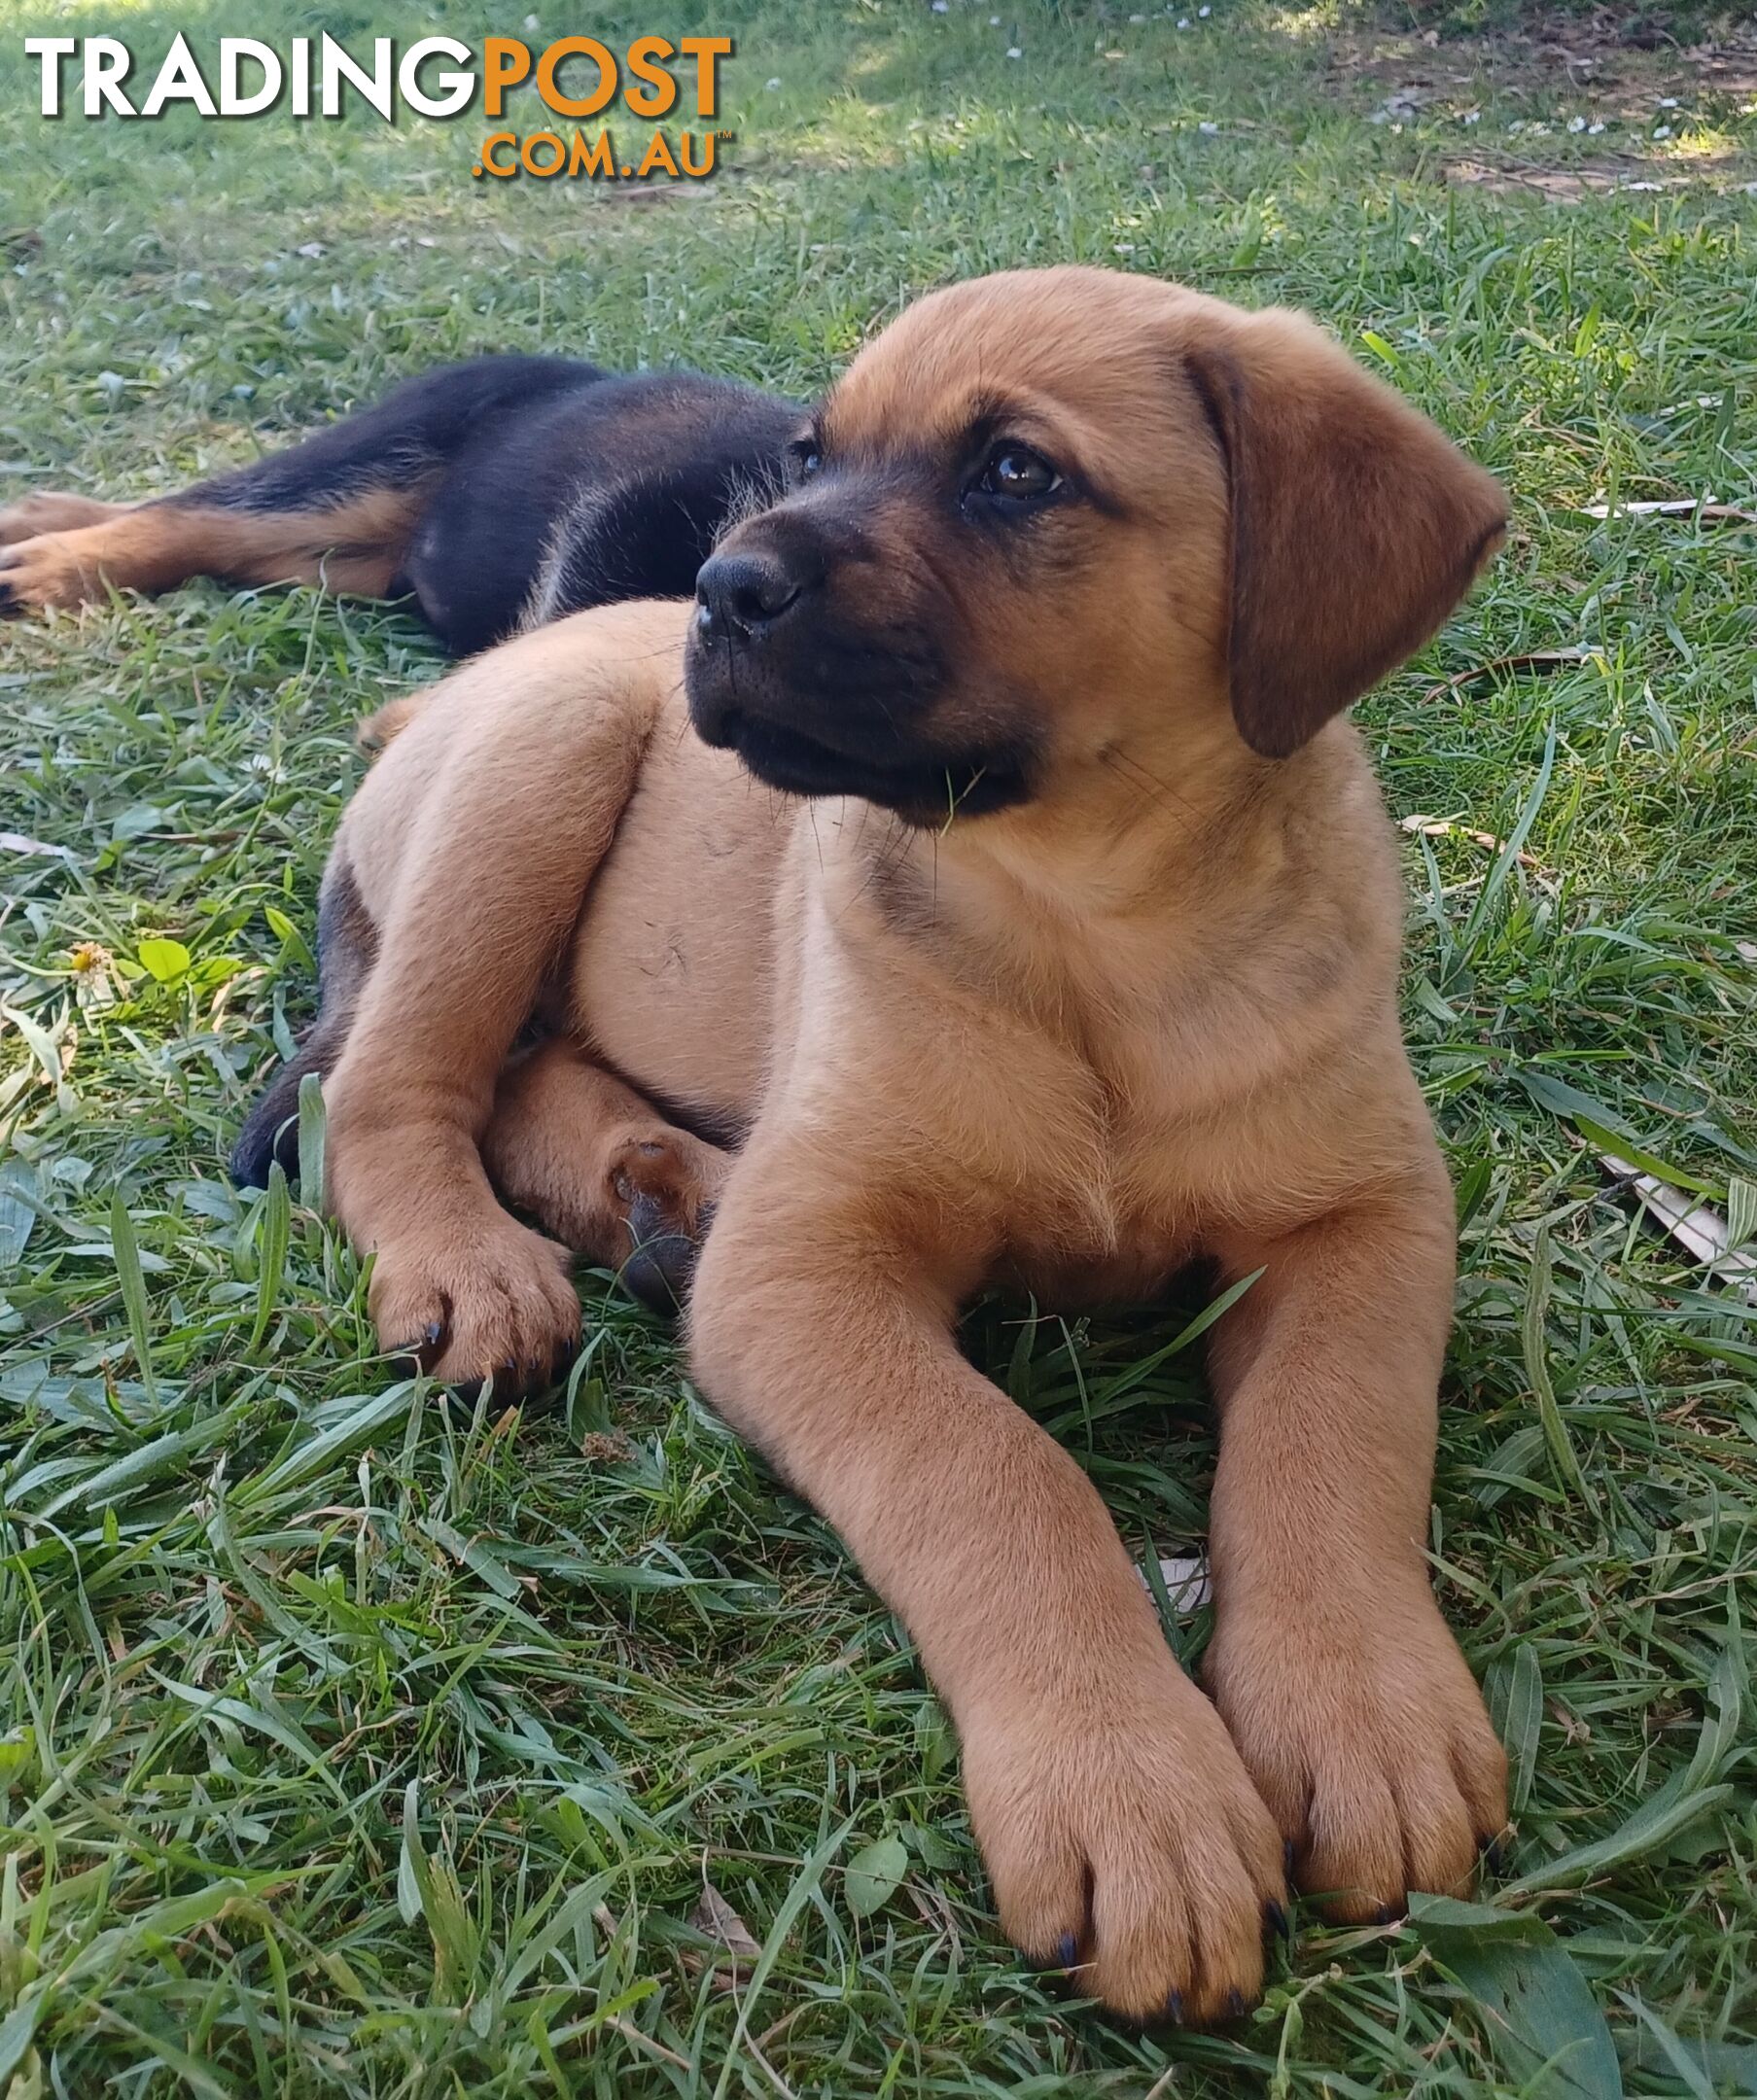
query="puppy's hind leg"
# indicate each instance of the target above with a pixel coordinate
(602, 1169)
(512, 782)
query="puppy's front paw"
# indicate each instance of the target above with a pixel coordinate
(1367, 1736)
(1127, 1844)
(494, 1302)
(47, 570)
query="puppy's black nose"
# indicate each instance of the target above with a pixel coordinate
(743, 593)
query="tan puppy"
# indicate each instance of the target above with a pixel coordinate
(1020, 908)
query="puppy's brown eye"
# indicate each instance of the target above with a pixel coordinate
(1020, 474)
(806, 458)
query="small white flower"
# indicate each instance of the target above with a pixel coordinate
(1473, 116)
(531, 23)
(1013, 51)
(1669, 101)
(941, 6)
(1595, 127)
(1184, 21)
(1576, 123)
(1138, 19)
(1202, 12)
(1514, 125)
(1208, 130)
(1662, 131)
(773, 84)
(993, 22)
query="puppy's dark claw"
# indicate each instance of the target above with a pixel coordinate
(1494, 1854)
(1066, 1950)
(1235, 2007)
(1388, 1913)
(436, 1334)
(1276, 1919)
(1173, 2008)
(1287, 1859)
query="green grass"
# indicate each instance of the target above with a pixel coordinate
(350, 1748)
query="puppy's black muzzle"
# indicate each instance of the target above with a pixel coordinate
(805, 660)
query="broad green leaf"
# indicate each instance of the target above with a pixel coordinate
(1538, 2016)
(293, 941)
(164, 961)
(875, 1875)
(1568, 1102)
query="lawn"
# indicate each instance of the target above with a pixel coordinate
(350, 1746)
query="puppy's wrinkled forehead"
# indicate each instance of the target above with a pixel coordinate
(1082, 354)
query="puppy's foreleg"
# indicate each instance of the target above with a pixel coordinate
(1123, 1837)
(52, 510)
(1343, 1688)
(508, 792)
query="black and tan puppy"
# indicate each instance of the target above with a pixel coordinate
(980, 872)
(496, 494)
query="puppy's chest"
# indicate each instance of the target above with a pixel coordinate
(1110, 1196)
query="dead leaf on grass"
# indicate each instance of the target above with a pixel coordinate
(1697, 1227)
(1441, 827)
(716, 1919)
(1566, 186)
(15, 842)
(1703, 507)
(1530, 660)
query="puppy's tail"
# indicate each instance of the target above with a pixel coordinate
(347, 946)
(271, 1129)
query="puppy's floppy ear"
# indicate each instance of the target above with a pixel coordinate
(1356, 526)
